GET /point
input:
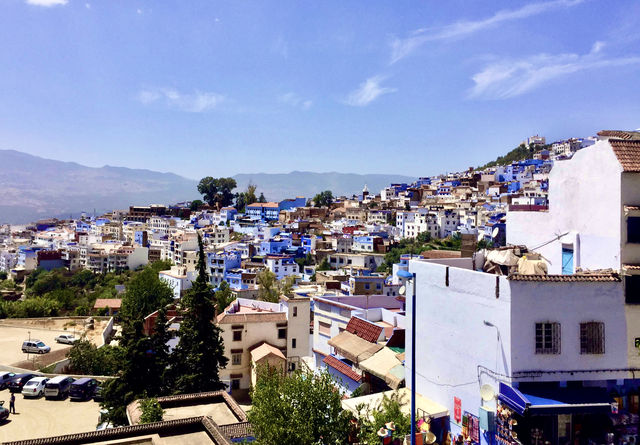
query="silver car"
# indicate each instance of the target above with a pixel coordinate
(68, 339)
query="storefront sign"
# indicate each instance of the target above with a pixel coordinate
(457, 409)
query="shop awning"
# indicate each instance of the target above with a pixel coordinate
(353, 347)
(381, 363)
(424, 406)
(553, 401)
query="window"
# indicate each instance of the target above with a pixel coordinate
(293, 343)
(236, 359)
(547, 338)
(237, 335)
(235, 384)
(282, 333)
(592, 337)
(632, 289)
(295, 311)
(324, 328)
(633, 229)
(366, 286)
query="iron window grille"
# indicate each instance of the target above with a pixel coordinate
(548, 338)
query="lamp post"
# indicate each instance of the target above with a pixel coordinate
(412, 276)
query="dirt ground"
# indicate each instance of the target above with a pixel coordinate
(45, 418)
(68, 326)
(14, 331)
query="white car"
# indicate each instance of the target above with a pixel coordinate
(34, 387)
(66, 338)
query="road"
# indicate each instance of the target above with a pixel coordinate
(45, 418)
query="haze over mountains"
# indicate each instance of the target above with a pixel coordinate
(32, 187)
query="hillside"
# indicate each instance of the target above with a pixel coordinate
(33, 187)
(520, 153)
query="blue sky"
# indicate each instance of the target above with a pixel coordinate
(223, 87)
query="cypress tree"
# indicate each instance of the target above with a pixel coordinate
(199, 354)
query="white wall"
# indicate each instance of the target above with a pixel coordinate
(451, 337)
(584, 200)
(569, 304)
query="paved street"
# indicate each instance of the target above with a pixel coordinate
(11, 339)
(44, 418)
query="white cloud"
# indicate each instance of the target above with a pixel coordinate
(509, 78)
(48, 3)
(295, 101)
(368, 91)
(401, 48)
(197, 102)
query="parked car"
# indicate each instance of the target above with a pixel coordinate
(97, 396)
(35, 347)
(18, 381)
(68, 339)
(5, 379)
(4, 412)
(34, 387)
(58, 387)
(102, 422)
(83, 389)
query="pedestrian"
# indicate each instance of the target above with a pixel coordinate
(12, 404)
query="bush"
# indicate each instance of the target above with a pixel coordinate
(151, 411)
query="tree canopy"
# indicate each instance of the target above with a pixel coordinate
(217, 192)
(301, 408)
(246, 198)
(323, 199)
(145, 293)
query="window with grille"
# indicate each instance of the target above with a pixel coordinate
(236, 359)
(548, 338)
(592, 337)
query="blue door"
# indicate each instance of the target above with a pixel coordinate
(567, 260)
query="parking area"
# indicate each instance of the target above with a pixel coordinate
(11, 339)
(44, 418)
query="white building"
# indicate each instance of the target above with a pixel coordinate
(178, 279)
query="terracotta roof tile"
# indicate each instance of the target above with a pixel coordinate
(632, 266)
(112, 303)
(628, 154)
(364, 329)
(237, 430)
(342, 367)
(618, 134)
(576, 278)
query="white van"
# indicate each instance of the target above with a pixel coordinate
(58, 387)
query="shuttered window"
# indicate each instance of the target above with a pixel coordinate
(592, 337)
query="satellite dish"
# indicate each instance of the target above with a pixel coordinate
(480, 236)
(402, 290)
(487, 392)
(495, 232)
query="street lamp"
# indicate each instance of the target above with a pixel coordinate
(412, 276)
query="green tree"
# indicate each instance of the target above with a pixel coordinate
(323, 199)
(145, 293)
(262, 199)
(151, 411)
(86, 358)
(324, 265)
(302, 408)
(217, 192)
(370, 420)
(246, 198)
(199, 354)
(268, 289)
(3, 275)
(140, 374)
(195, 205)
(224, 297)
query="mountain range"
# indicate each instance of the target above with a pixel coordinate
(32, 187)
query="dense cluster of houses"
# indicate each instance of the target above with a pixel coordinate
(535, 340)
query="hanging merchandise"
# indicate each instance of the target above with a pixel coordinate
(505, 423)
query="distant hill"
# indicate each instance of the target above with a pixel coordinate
(32, 187)
(308, 184)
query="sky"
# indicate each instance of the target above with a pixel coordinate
(204, 87)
